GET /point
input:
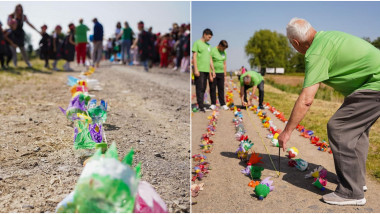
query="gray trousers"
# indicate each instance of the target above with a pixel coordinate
(97, 51)
(348, 131)
(126, 50)
(23, 53)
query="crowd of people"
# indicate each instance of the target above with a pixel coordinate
(163, 50)
(126, 47)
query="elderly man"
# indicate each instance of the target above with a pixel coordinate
(251, 79)
(351, 66)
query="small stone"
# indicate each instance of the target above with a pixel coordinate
(52, 181)
(37, 149)
(313, 207)
(1, 178)
(30, 119)
(176, 202)
(158, 155)
(27, 206)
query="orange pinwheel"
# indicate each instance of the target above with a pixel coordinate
(253, 183)
(254, 159)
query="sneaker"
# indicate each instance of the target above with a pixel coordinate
(175, 68)
(332, 198)
(261, 107)
(365, 188)
(225, 107)
(202, 110)
(213, 107)
(206, 109)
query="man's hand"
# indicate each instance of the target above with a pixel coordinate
(249, 102)
(196, 73)
(211, 78)
(283, 138)
(244, 103)
(14, 45)
(214, 75)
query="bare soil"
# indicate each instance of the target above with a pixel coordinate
(147, 111)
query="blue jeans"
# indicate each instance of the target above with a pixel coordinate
(126, 50)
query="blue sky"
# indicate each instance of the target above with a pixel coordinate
(160, 15)
(236, 22)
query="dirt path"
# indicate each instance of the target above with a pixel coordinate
(147, 111)
(226, 188)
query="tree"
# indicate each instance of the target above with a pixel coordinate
(376, 42)
(268, 49)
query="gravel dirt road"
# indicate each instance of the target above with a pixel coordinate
(226, 188)
(147, 111)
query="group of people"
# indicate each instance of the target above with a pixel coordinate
(210, 66)
(160, 49)
(145, 48)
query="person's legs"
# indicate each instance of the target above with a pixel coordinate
(77, 49)
(24, 55)
(183, 65)
(99, 52)
(128, 46)
(212, 86)
(220, 83)
(198, 90)
(204, 78)
(123, 51)
(14, 55)
(261, 93)
(245, 93)
(2, 60)
(9, 56)
(348, 132)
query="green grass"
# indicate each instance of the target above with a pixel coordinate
(324, 92)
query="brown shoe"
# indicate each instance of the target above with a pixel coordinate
(332, 198)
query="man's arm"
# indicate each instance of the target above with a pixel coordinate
(253, 94)
(212, 69)
(9, 40)
(225, 72)
(299, 111)
(196, 71)
(242, 96)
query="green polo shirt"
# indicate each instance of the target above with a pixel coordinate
(218, 58)
(81, 33)
(127, 34)
(342, 61)
(256, 78)
(203, 51)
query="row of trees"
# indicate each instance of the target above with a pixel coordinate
(269, 49)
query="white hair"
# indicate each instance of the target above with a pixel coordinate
(298, 29)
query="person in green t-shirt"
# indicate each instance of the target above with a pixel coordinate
(219, 58)
(203, 66)
(251, 79)
(351, 66)
(126, 35)
(81, 42)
